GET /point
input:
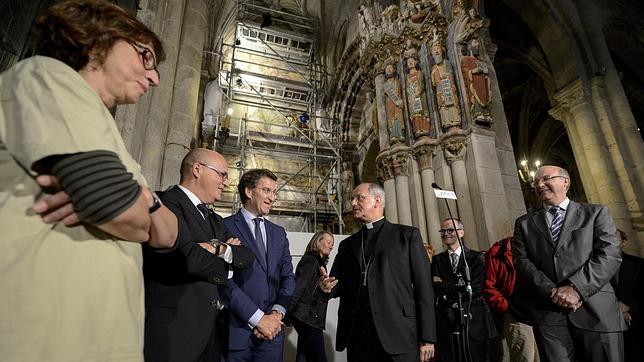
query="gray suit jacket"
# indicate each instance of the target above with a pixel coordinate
(586, 254)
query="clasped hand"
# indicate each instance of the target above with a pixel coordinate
(269, 326)
(566, 296)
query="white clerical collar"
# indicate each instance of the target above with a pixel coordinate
(369, 225)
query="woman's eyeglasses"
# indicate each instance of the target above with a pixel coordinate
(147, 57)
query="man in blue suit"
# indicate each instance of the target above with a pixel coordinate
(257, 296)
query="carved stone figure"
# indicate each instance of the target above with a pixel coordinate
(418, 10)
(475, 75)
(473, 25)
(393, 102)
(446, 96)
(416, 97)
(390, 19)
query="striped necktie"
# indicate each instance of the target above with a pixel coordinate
(454, 257)
(557, 222)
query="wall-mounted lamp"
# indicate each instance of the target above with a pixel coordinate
(239, 82)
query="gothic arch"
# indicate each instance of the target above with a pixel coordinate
(559, 42)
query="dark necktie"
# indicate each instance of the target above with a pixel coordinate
(454, 257)
(204, 210)
(259, 240)
(557, 222)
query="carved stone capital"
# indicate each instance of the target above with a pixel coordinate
(573, 95)
(400, 161)
(384, 169)
(560, 113)
(423, 151)
(454, 144)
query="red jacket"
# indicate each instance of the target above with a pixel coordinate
(500, 276)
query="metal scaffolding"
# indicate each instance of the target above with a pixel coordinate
(271, 78)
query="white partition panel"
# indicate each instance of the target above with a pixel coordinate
(298, 242)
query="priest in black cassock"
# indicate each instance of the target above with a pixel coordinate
(386, 308)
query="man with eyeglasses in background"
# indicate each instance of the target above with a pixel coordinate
(449, 282)
(182, 287)
(565, 256)
(257, 297)
(384, 284)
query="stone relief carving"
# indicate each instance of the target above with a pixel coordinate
(393, 102)
(477, 83)
(443, 82)
(416, 95)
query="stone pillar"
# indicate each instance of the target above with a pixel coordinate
(154, 138)
(385, 174)
(629, 145)
(487, 189)
(401, 167)
(455, 149)
(183, 113)
(574, 105)
(562, 113)
(417, 202)
(424, 152)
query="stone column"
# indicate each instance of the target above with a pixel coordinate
(154, 137)
(562, 113)
(401, 167)
(385, 174)
(183, 113)
(574, 103)
(424, 152)
(629, 146)
(487, 188)
(454, 145)
(417, 200)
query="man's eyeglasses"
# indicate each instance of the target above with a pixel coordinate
(360, 198)
(267, 191)
(147, 57)
(222, 174)
(448, 231)
(545, 178)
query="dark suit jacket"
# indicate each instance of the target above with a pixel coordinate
(309, 302)
(481, 326)
(181, 286)
(260, 286)
(586, 254)
(400, 289)
(629, 286)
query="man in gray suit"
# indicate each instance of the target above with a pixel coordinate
(565, 255)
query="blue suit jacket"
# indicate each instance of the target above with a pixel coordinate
(261, 286)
